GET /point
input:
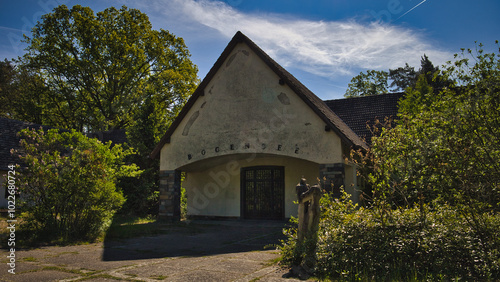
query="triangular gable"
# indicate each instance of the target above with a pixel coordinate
(332, 121)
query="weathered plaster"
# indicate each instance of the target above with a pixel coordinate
(215, 191)
(246, 110)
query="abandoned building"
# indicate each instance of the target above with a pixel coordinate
(249, 133)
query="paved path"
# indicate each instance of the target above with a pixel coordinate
(198, 251)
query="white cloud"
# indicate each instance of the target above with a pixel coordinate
(324, 48)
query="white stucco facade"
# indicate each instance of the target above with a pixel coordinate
(215, 191)
(246, 117)
(246, 110)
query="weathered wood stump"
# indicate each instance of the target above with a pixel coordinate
(307, 233)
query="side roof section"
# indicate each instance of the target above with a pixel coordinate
(360, 113)
(10, 140)
(332, 121)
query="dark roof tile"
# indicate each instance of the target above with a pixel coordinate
(359, 112)
(9, 139)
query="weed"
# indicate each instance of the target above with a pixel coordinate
(160, 277)
(29, 259)
(106, 276)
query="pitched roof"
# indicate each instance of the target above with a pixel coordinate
(10, 140)
(360, 113)
(332, 121)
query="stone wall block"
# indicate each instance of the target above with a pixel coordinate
(170, 185)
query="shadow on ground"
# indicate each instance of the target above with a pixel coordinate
(197, 238)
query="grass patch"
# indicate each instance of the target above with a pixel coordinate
(64, 253)
(32, 259)
(124, 227)
(160, 277)
(271, 247)
(106, 276)
(62, 269)
(272, 262)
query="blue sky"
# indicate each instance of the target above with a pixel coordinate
(324, 43)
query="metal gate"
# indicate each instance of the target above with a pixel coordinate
(263, 192)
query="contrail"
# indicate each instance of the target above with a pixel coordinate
(411, 9)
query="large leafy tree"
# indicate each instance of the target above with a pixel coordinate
(446, 145)
(23, 94)
(403, 77)
(7, 73)
(443, 153)
(376, 82)
(367, 84)
(110, 70)
(99, 69)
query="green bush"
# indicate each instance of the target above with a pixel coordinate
(67, 191)
(141, 193)
(355, 244)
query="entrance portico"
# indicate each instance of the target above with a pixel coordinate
(246, 137)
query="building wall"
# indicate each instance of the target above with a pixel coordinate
(244, 110)
(215, 191)
(246, 117)
(351, 184)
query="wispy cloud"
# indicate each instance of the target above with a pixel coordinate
(6, 28)
(324, 48)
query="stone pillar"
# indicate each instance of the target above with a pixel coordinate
(170, 195)
(332, 177)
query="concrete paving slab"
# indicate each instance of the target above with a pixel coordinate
(203, 275)
(39, 276)
(200, 251)
(239, 266)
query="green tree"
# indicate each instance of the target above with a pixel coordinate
(434, 183)
(110, 70)
(366, 84)
(68, 190)
(375, 82)
(7, 73)
(403, 77)
(432, 74)
(28, 97)
(148, 127)
(446, 145)
(98, 69)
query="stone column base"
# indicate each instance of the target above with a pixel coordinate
(170, 195)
